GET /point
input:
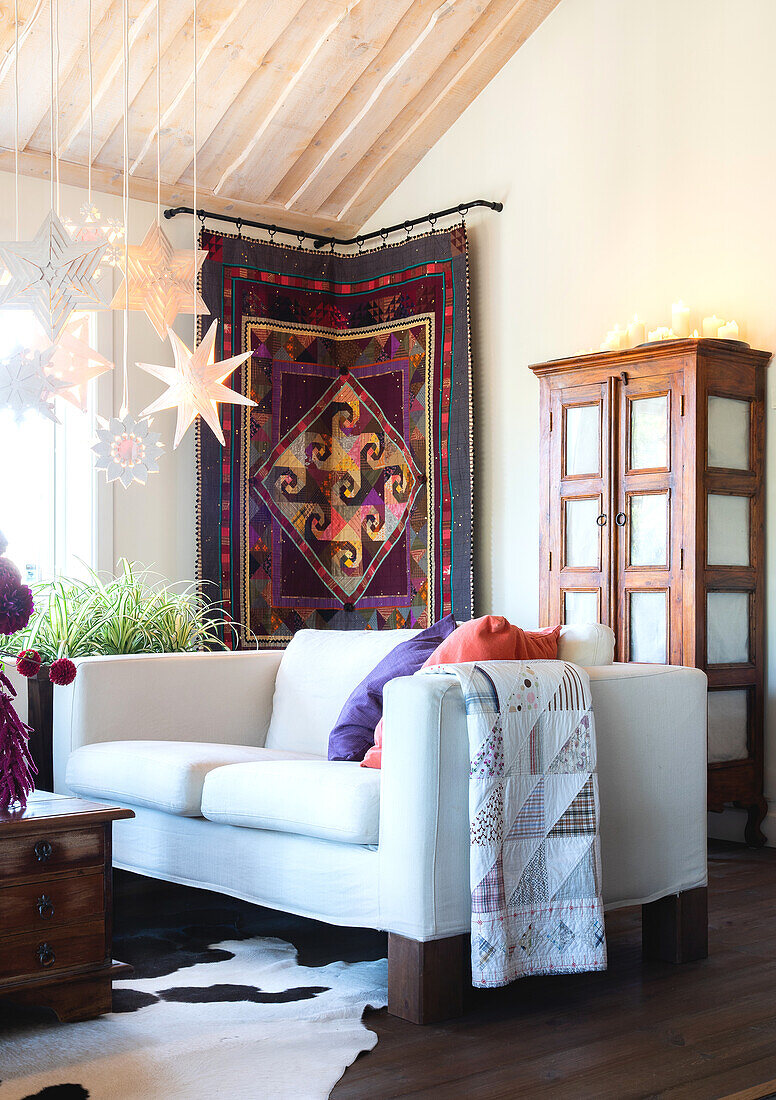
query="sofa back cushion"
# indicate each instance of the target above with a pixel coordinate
(354, 730)
(587, 645)
(318, 671)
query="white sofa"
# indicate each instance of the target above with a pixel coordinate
(222, 756)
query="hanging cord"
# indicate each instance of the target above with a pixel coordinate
(125, 44)
(91, 94)
(194, 170)
(56, 103)
(16, 110)
(51, 101)
(159, 116)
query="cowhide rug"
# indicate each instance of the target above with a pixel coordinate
(204, 1016)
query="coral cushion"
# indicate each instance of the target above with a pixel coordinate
(491, 638)
(353, 732)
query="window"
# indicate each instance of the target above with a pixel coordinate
(47, 481)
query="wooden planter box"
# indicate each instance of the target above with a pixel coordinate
(40, 716)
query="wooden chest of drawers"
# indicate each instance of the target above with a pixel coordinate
(56, 905)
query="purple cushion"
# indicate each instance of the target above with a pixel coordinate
(354, 731)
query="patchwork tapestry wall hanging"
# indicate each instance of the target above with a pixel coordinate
(342, 500)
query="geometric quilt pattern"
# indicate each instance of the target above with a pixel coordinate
(535, 864)
(342, 500)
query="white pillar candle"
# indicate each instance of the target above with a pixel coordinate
(728, 331)
(621, 335)
(636, 331)
(612, 342)
(680, 319)
(711, 326)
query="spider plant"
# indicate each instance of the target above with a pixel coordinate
(134, 611)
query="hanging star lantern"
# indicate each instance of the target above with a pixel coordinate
(160, 280)
(25, 385)
(74, 364)
(52, 275)
(195, 384)
(127, 450)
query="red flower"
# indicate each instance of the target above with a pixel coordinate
(16, 606)
(62, 672)
(28, 662)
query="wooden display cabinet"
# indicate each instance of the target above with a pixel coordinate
(653, 521)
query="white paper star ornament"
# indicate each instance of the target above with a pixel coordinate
(74, 364)
(25, 385)
(52, 275)
(195, 384)
(160, 280)
(127, 450)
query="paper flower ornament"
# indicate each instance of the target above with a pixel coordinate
(74, 364)
(160, 279)
(25, 384)
(195, 384)
(52, 275)
(127, 450)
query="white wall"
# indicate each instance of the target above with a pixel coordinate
(151, 524)
(633, 143)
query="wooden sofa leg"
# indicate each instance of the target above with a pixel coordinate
(676, 929)
(427, 980)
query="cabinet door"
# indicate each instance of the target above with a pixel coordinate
(648, 520)
(578, 548)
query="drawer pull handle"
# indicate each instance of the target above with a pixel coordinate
(46, 956)
(45, 907)
(42, 851)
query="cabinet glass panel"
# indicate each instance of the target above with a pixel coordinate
(582, 533)
(648, 615)
(728, 433)
(583, 440)
(648, 529)
(580, 607)
(727, 628)
(728, 713)
(728, 530)
(649, 433)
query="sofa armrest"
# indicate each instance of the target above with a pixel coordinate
(424, 809)
(217, 697)
(651, 739)
(651, 734)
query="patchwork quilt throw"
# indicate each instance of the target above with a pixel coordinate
(535, 866)
(343, 499)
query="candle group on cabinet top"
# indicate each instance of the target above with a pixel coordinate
(636, 332)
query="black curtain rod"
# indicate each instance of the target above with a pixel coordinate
(320, 242)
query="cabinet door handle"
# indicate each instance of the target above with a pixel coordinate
(620, 519)
(601, 520)
(45, 907)
(46, 956)
(42, 851)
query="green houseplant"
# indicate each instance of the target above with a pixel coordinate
(134, 611)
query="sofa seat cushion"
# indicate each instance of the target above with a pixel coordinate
(335, 800)
(162, 775)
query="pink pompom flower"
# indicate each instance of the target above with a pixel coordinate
(28, 663)
(62, 672)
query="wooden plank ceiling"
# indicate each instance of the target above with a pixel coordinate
(310, 112)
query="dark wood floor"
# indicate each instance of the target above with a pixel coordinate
(704, 1030)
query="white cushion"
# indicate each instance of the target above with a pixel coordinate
(335, 800)
(163, 775)
(318, 672)
(588, 645)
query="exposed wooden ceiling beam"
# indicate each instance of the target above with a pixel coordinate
(110, 182)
